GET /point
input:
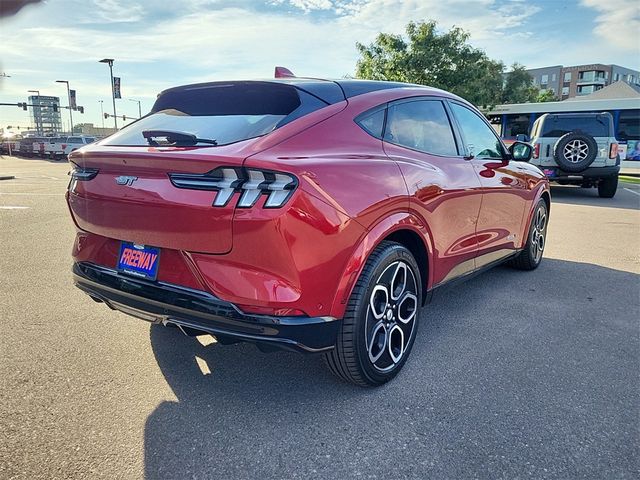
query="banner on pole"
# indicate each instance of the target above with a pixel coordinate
(116, 87)
(72, 99)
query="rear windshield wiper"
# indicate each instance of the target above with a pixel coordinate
(175, 138)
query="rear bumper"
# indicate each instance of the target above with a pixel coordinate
(159, 302)
(591, 172)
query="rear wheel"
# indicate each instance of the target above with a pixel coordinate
(531, 255)
(381, 319)
(607, 187)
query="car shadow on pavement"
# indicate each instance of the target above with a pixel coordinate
(589, 196)
(511, 372)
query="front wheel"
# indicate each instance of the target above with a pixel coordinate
(531, 256)
(607, 187)
(381, 319)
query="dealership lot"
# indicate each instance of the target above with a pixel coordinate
(513, 374)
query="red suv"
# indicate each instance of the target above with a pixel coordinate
(305, 214)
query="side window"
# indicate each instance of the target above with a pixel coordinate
(421, 125)
(478, 136)
(372, 123)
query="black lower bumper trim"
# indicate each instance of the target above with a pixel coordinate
(591, 172)
(159, 302)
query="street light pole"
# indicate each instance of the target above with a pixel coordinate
(35, 117)
(139, 107)
(101, 112)
(69, 102)
(109, 61)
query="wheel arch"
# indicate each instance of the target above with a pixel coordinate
(403, 228)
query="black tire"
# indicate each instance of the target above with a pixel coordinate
(359, 339)
(574, 152)
(531, 256)
(607, 187)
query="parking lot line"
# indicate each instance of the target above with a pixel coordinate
(12, 207)
(34, 194)
(632, 191)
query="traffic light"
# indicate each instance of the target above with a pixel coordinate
(55, 107)
(81, 109)
(23, 105)
(124, 118)
(106, 116)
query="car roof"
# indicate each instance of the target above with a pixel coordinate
(329, 90)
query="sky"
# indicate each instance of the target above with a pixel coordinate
(157, 44)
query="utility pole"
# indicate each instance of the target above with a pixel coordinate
(109, 61)
(101, 112)
(139, 107)
(69, 100)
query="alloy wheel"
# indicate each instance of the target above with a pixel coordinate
(538, 233)
(391, 316)
(576, 151)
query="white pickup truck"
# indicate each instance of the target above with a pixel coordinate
(61, 147)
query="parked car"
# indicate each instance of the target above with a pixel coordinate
(304, 214)
(578, 149)
(10, 145)
(63, 146)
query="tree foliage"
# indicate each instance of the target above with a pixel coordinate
(518, 86)
(546, 96)
(427, 57)
(444, 60)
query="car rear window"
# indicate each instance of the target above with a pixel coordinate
(596, 126)
(218, 114)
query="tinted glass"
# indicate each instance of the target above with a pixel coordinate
(516, 125)
(421, 125)
(480, 139)
(629, 125)
(226, 113)
(596, 126)
(373, 123)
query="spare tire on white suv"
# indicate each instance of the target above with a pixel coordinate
(577, 149)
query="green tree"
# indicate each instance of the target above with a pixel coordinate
(546, 96)
(428, 57)
(518, 86)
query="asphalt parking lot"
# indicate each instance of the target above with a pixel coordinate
(513, 375)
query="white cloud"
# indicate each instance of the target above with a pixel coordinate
(618, 22)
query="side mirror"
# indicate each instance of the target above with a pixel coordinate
(521, 137)
(520, 151)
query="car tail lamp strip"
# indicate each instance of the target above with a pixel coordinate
(249, 182)
(79, 173)
(613, 150)
(536, 150)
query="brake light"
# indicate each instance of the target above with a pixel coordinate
(251, 183)
(613, 150)
(64, 145)
(79, 173)
(536, 150)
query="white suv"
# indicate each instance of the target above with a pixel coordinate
(577, 149)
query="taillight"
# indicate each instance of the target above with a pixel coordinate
(79, 173)
(613, 150)
(64, 145)
(536, 150)
(251, 183)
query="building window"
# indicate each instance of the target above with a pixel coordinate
(567, 76)
(544, 80)
(616, 77)
(553, 77)
(565, 90)
(631, 79)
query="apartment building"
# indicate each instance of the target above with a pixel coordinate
(578, 80)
